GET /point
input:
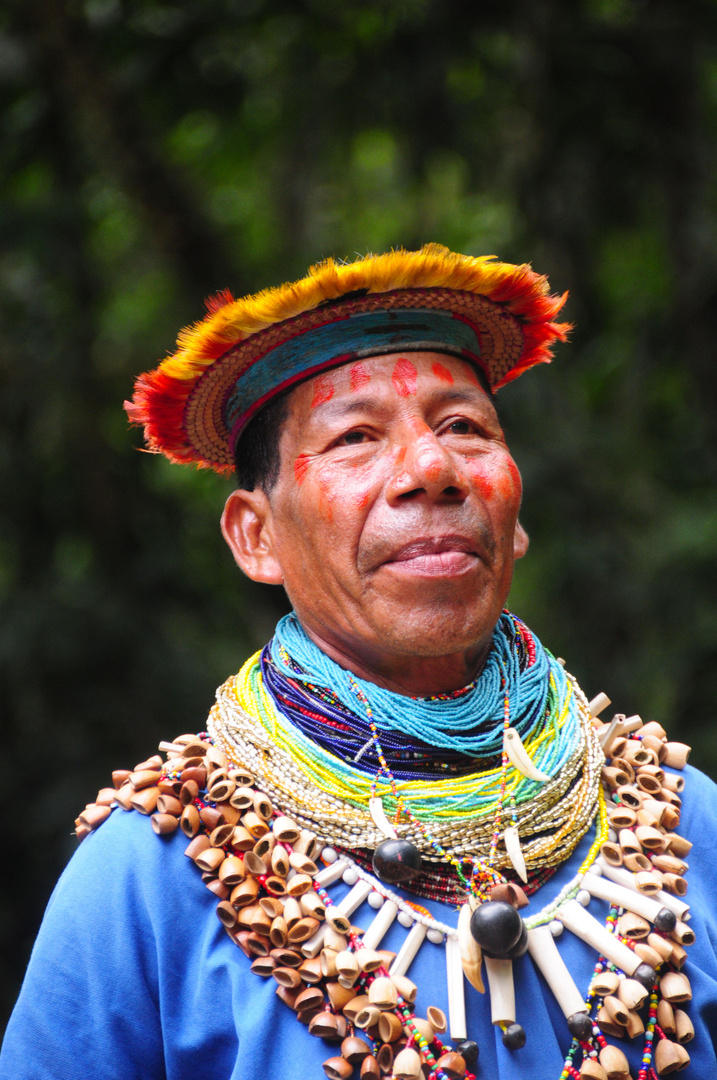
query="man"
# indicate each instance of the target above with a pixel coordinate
(399, 717)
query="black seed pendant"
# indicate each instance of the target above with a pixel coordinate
(514, 1037)
(395, 861)
(498, 928)
(468, 1050)
(580, 1026)
(665, 920)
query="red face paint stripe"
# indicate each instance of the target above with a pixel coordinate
(442, 373)
(404, 378)
(323, 390)
(358, 376)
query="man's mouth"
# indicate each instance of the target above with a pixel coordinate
(441, 556)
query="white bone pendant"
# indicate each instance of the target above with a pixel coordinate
(515, 851)
(518, 755)
(471, 955)
(456, 998)
(502, 990)
(377, 812)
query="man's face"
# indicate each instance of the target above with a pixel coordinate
(393, 519)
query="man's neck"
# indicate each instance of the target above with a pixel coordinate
(412, 676)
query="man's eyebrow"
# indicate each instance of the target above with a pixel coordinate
(349, 407)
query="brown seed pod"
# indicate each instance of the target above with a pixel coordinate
(164, 824)
(670, 1057)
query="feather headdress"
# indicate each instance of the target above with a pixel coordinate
(244, 352)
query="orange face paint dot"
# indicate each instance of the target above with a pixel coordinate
(323, 390)
(404, 378)
(358, 376)
(442, 373)
(300, 466)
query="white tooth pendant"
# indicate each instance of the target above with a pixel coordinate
(519, 757)
(515, 851)
(377, 812)
(470, 951)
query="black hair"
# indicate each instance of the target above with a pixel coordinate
(256, 455)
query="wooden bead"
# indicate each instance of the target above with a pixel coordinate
(245, 892)
(614, 1063)
(286, 830)
(676, 755)
(647, 954)
(145, 800)
(384, 1059)
(675, 987)
(390, 1027)
(453, 1065)
(310, 1001)
(196, 774)
(211, 818)
(198, 844)
(370, 1069)
(164, 824)
(221, 836)
(93, 815)
(666, 1017)
(254, 824)
(286, 976)
(302, 930)
(382, 993)
(675, 884)
(344, 999)
(226, 914)
(631, 993)
(423, 1028)
(633, 926)
(302, 864)
(622, 817)
(367, 1017)
(280, 861)
(678, 845)
(210, 859)
(407, 1065)
(634, 1026)
(232, 871)
(670, 1057)
(436, 1018)
(271, 906)
(310, 970)
(592, 1069)
(287, 957)
(616, 1010)
(611, 853)
(144, 778)
(323, 1025)
(279, 932)
(604, 983)
(684, 1028)
(683, 933)
(263, 965)
(312, 905)
(299, 884)
(609, 1026)
(262, 805)
(120, 776)
(287, 995)
(354, 1049)
(406, 988)
(368, 960)
(337, 1068)
(637, 862)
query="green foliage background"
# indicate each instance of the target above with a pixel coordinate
(153, 153)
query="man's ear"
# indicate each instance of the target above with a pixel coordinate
(247, 527)
(520, 541)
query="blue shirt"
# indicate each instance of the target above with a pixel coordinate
(134, 978)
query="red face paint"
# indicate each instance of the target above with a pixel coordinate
(326, 498)
(358, 376)
(323, 390)
(442, 373)
(513, 470)
(404, 378)
(300, 466)
(362, 499)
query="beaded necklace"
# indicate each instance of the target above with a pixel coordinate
(470, 722)
(275, 904)
(319, 789)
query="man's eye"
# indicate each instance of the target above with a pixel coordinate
(460, 427)
(352, 437)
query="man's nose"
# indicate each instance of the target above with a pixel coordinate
(424, 467)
